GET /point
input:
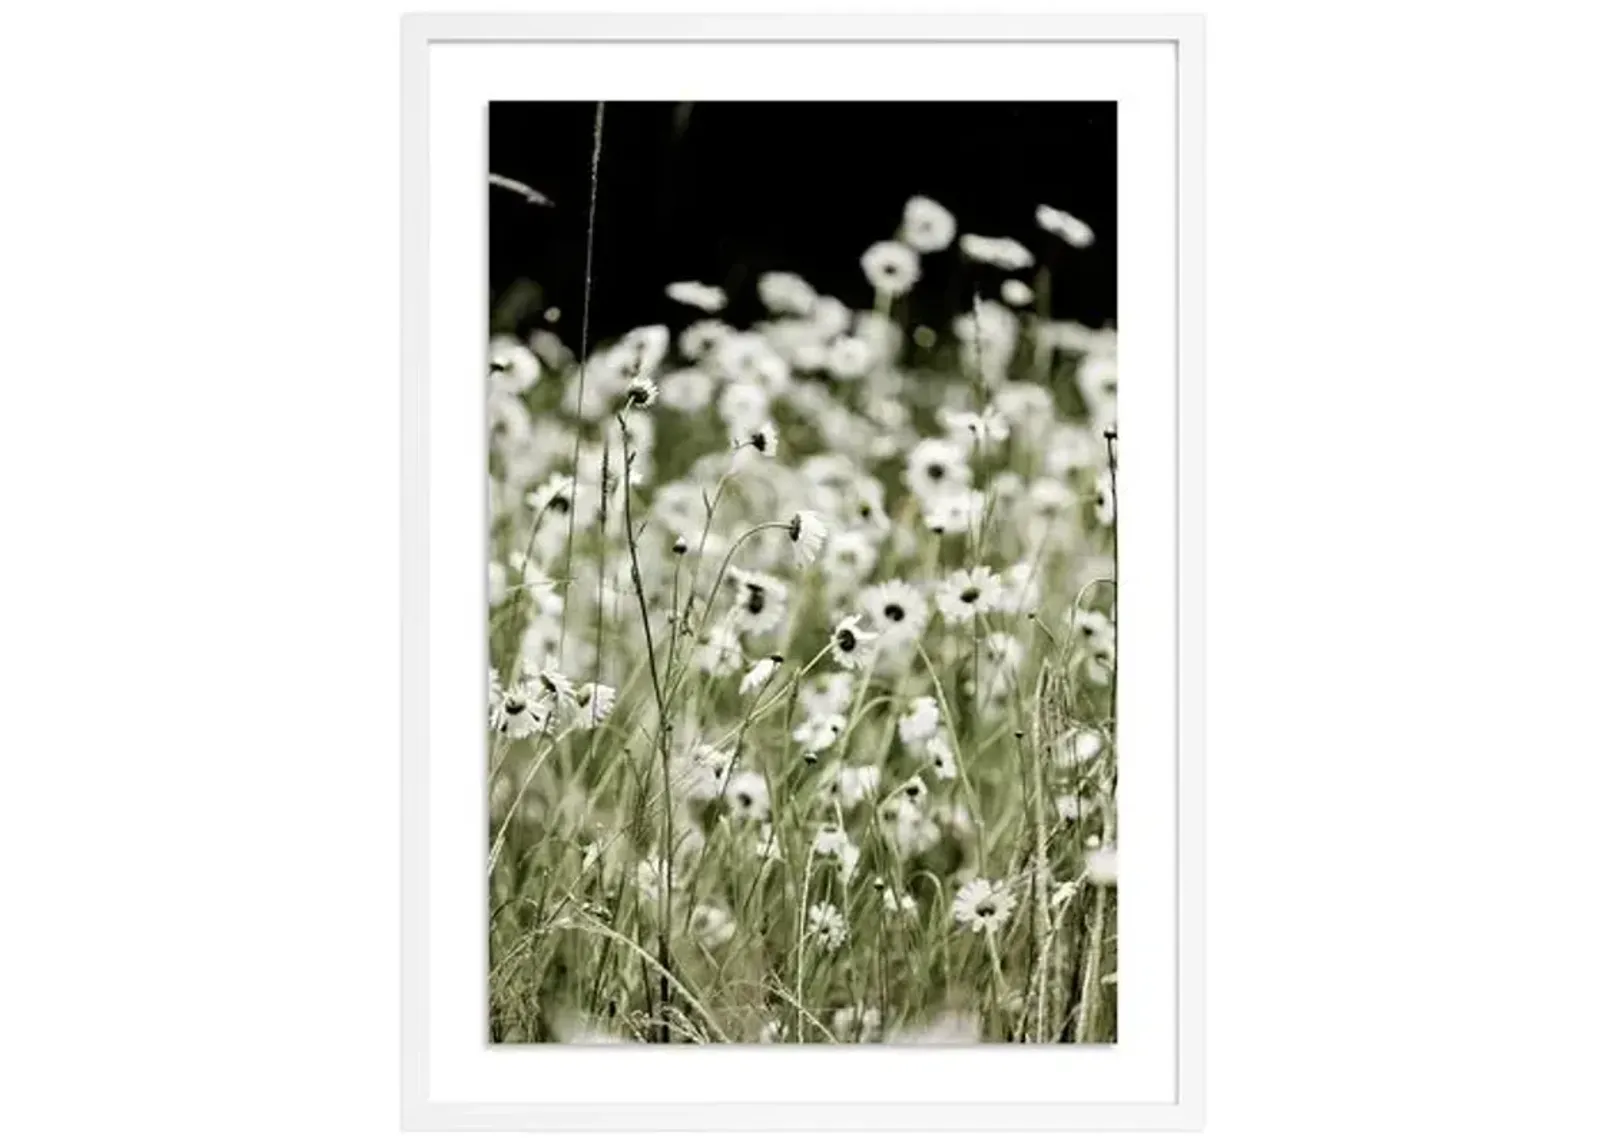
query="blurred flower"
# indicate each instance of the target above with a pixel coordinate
(927, 226)
(921, 722)
(849, 358)
(1105, 500)
(595, 700)
(642, 393)
(855, 784)
(936, 467)
(1006, 253)
(702, 338)
(942, 757)
(892, 268)
(786, 293)
(983, 906)
(759, 674)
(1100, 865)
(711, 925)
(1015, 293)
(513, 368)
(760, 602)
(747, 797)
(858, 1024)
(1072, 231)
(520, 715)
(699, 295)
(687, 390)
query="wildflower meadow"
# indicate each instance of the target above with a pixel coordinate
(802, 662)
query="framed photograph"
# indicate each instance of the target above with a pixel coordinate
(802, 623)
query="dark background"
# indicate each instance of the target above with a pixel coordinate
(722, 192)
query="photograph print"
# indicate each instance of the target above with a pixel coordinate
(802, 573)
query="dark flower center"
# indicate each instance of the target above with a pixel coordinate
(970, 595)
(757, 602)
(794, 529)
(895, 612)
(985, 910)
(515, 706)
(846, 639)
(936, 471)
(760, 441)
(560, 504)
(744, 800)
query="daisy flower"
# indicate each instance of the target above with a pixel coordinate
(743, 407)
(850, 641)
(595, 700)
(926, 226)
(953, 513)
(983, 906)
(892, 268)
(711, 925)
(757, 677)
(896, 610)
(943, 758)
(848, 560)
(701, 339)
(519, 716)
(808, 533)
(1073, 231)
(1093, 629)
(921, 722)
(699, 295)
(976, 430)
(642, 393)
(764, 439)
(969, 593)
(759, 603)
(898, 903)
(827, 926)
(1006, 253)
(936, 467)
(1016, 293)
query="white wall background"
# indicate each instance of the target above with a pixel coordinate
(199, 598)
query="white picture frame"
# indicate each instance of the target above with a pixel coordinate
(429, 518)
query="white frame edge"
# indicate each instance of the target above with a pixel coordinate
(418, 1112)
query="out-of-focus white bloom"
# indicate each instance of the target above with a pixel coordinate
(857, 1024)
(849, 358)
(1100, 865)
(827, 926)
(892, 268)
(513, 368)
(687, 390)
(1105, 499)
(1063, 894)
(640, 351)
(1022, 589)
(968, 593)
(855, 784)
(948, 1028)
(820, 731)
(1093, 629)
(649, 877)
(848, 560)
(756, 678)
(921, 722)
(927, 226)
(1072, 231)
(980, 431)
(720, 654)
(1072, 807)
(702, 776)
(711, 925)
(760, 602)
(831, 318)
(897, 612)
(953, 513)
(497, 583)
(936, 468)
(744, 407)
(747, 797)
(808, 533)
(1016, 293)
(898, 903)
(701, 339)
(771, 1033)
(785, 293)
(850, 642)
(1006, 253)
(699, 295)
(834, 844)
(828, 695)
(983, 906)
(1080, 748)
(941, 756)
